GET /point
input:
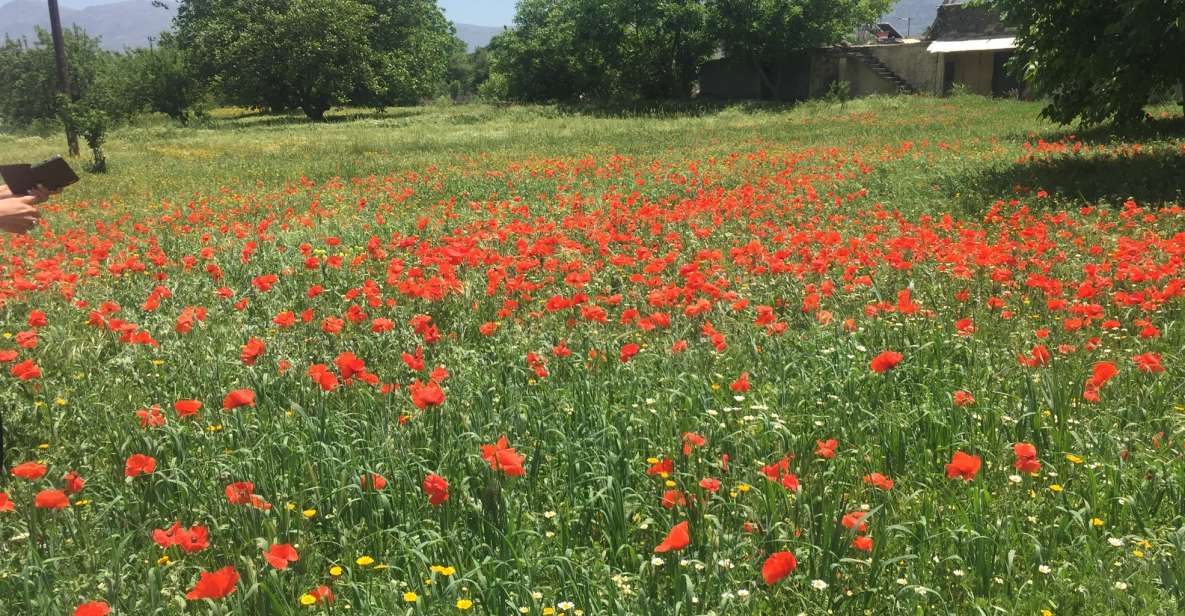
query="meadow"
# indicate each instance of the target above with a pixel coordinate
(893, 356)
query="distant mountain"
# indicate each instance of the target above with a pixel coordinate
(129, 23)
(476, 36)
(913, 15)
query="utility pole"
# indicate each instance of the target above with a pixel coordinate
(59, 54)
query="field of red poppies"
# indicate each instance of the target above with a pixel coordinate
(898, 358)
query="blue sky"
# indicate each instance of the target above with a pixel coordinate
(476, 12)
(479, 12)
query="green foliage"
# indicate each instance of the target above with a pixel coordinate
(616, 49)
(764, 31)
(315, 54)
(1096, 61)
(467, 71)
(30, 76)
(652, 49)
(160, 79)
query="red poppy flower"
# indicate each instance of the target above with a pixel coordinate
(777, 567)
(238, 398)
(675, 540)
(691, 440)
(6, 505)
(790, 482)
(864, 544)
(426, 394)
(504, 458)
(92, 608)
(191, 540)
(29, 470)
(51, 499)
(673, 498)
(279, 555)
(741, 385)
(436, 488)
(151, 417)
(826, 449)
(488, 328)
(710, 484)
(628, 351)
(73, 483)
(963, 398)
(885, 361)
(664, 467)
(1148, 362)
(37, 319)
(322, 595)
(26, 370)
(374, 481)
(187, 408)
(214, 585)
(855, 520)
(323, 377)
(879, 481)
(1102, 372)
(1026, 458)
(139, 464)
(251, 351)
(963, 466)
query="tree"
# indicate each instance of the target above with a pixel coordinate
(160, 79)
(606, 49)
(316, 54)
(1095, 61)
(760, 32)
(30, 79)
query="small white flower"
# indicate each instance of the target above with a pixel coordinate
(656, 561)
(958, 572)
(1015, 478)
(1115, 542)
(549, 514)
(1044, 569)
(726, 596)
(1120, 585)
(742, 593)
(536, 595)
(684, 562)
(818, 584)
(565, 605)
(724, 563)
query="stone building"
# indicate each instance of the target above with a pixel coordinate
(966, 45)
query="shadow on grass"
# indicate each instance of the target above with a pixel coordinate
(691, 108)
(265, 120)
(1111, 174)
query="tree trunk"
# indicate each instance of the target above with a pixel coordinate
(315, 112)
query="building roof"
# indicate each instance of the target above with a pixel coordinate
(982, 44)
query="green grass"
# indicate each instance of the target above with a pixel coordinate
(775, 242)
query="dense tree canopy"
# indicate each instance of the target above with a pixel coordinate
(621, 49)
(1095, 60)
(763, 31)
(315, 54)
(569, 49)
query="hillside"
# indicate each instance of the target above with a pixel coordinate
(132, 23)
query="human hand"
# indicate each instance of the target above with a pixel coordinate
(19, 214)
(5, 192)
(39, 194)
